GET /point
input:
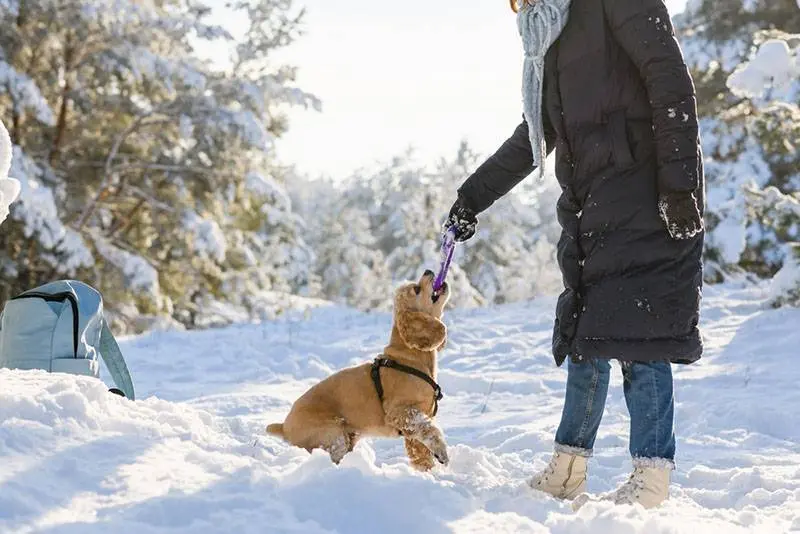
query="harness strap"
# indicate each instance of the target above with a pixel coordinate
(392, 364)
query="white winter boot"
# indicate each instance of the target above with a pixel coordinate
(648, 486)
(563, 478)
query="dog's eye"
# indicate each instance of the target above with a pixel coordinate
(417, 289)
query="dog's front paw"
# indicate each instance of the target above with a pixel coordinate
(423, 464)
(421, 458)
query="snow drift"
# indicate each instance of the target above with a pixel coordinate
(193, 457)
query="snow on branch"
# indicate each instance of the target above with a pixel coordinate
(139, 274)
(37, 210)
(24, 93)
(9, 187)
(267, 188)
(209, 239)
(773, 68)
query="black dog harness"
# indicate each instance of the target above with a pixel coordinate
(382, 361)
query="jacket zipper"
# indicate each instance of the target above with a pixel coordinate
(59, 297)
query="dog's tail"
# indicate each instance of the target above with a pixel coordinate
(276, 429)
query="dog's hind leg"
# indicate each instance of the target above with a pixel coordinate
(339, 445)
(414, 424)
(316, 431)
(420, 456)
(337, 440)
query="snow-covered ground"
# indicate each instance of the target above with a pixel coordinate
(191, 456)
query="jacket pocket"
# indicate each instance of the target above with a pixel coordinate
(617, 126)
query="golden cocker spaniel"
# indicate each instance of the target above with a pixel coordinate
(394, 396)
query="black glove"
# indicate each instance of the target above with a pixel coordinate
(463, 219)
(681, 215)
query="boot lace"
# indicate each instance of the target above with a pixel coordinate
(629, 492)
(545, 475)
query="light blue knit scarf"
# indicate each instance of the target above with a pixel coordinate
(540, 23)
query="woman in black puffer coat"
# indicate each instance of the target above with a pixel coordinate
(618, 107)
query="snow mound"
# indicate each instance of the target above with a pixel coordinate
(785, 285)
(192, 455)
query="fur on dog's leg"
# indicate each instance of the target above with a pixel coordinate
(421, 458)
(352, 439)
(338, 447)
(315, 430)
(414, 424)
(339, 441)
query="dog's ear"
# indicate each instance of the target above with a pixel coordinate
(421, 331)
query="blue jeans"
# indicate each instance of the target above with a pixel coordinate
(651, 405)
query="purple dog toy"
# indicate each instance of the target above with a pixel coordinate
(448, 247)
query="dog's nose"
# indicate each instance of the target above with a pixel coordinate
(429, 273)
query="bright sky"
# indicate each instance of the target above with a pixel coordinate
(414, 73)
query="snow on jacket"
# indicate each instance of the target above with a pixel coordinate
(620, 112)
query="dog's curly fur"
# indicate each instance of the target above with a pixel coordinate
(336, 412)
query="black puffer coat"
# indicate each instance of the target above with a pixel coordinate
(619, 109)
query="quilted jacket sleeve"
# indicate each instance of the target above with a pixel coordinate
(644, 30)
(503, 170)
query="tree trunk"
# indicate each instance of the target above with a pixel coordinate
(15, 124)
(61, 124)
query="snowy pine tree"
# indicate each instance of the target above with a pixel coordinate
(744, 59)
(135, 154)
(383, 226)
(771, 81)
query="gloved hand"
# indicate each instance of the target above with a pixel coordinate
(680, 213)
(463, 219)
